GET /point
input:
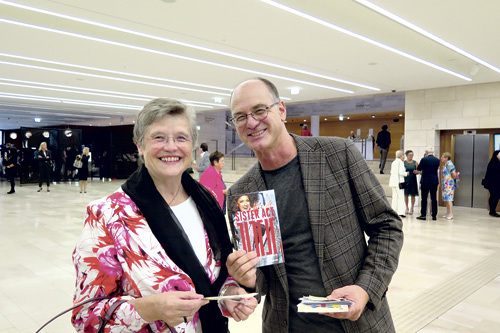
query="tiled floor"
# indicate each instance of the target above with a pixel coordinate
(448, 278)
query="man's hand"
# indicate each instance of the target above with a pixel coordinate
(241, 266)
(354, 293)
(239, 309)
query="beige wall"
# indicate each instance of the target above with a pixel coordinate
(343, 129)
(427, 112)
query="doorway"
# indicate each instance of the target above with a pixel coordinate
(471, 156)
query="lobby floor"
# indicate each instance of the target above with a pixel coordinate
(448, 278)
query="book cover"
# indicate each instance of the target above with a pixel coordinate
(254, 222)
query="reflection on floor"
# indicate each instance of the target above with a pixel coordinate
(448, 278)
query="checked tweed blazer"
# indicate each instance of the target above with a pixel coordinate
(345, 201)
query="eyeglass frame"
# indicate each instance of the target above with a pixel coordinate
(175, 139)
(266, 109)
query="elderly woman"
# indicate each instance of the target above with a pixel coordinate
(398, 174)
(158, 245)
(44, 163)
(448, 176)
(212, 178)
(412, 186)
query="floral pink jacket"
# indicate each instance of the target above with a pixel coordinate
(118, 254)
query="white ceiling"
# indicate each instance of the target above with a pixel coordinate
(141, 61)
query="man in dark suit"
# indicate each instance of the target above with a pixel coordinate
(328, 199)
(429, 182)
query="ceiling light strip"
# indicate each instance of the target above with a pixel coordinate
(363, 38)
(69, 101)
(140, 48)
(110, 77)
(425, 33)
(78, 90)
(172, 41)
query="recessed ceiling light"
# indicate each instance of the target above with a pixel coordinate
(348, 118)
(341, 117)
(294, 90)
(373, 116)
(400, 114)
(326, 119)
(37, 120)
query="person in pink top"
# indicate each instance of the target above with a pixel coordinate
(212, 178)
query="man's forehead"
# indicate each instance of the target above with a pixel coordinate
(251, 95)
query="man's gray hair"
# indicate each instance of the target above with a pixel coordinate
(430, 150)
(158, 108)
(399, 153)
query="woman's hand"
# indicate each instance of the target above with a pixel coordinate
(170, 306)
(239, 309)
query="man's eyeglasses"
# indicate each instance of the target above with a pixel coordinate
(160, 140)
(259, 114)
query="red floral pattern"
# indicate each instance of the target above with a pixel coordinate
(118, 254)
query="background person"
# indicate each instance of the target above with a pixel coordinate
(44, 157)
(305, 131)
(492, 182)
(212, 178)
(398, 174)
(428, 167)
(411, 180)
(159, 243)
(448, 176)
(204, 159)
(313, 177)
(83, 172)
(10, 164)
(383, 143)
(69, 156)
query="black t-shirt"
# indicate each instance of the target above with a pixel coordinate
(301, 261)
(384, 139)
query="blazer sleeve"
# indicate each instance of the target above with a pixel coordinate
(98, 273)
(379, 221)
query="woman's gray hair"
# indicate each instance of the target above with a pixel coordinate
(399, 153)
(158, 108)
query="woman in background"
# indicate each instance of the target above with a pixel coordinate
(411, 180)
(398, 174)
(492, 182)
(212, 178)
(448, 176)
(83, 172)
(44, 163)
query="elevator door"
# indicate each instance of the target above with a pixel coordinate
(471, 159)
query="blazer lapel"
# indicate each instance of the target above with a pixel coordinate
(313, 169)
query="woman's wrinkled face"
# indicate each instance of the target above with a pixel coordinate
(167, 147)
(244, 203)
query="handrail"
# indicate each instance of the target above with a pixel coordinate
(233, 155)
